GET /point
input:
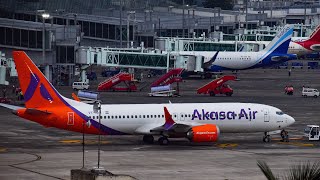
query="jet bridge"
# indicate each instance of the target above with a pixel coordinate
(128, 58)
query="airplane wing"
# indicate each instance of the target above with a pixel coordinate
(170, 125)
(12, 107)
(280, 58)
(194, 132)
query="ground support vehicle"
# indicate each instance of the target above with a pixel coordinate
(312, 132)
(217, 86)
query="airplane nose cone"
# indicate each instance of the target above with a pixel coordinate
(290, 120)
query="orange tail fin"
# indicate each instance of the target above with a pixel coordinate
(37, 90)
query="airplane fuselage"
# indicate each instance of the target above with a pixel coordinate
(140, 118)
(295, 47)
(237, 60)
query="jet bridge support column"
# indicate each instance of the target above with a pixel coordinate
(48, 73)
(199, 63)
(84, 76)
(3, 75)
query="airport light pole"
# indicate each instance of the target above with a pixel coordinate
(97, 108)
(120, 23)
(128, 27)
(183, 19)
(44, 17)
(83, 145)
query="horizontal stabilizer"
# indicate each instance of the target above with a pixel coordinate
(36, 111)
(279, 58)
(315, 47)
(12, 107)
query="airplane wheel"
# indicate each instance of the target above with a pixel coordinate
(287, 138)
(267, 138)
(212, 93)
(148, 139)
(163, 141)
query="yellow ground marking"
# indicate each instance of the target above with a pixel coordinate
(227, 145)
(2, 150)
(297, 144)
(295, 138)
(77, 141)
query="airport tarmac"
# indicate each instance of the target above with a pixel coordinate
(30, 151)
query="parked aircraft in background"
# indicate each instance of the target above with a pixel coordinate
(275, 52)
(299, 45)
(199, 122)
(307, 46)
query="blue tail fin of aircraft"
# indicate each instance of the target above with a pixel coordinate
(280, 43)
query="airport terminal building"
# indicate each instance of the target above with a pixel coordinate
(54, 42)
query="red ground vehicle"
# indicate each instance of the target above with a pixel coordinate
(288, 90)
(224, 89)
(217, 86)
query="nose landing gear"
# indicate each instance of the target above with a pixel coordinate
(266, 137)
(284, 135)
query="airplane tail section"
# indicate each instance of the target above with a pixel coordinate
(315, 36)
(280, 43)
(37, 90)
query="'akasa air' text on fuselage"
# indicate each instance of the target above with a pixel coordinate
(243, 114)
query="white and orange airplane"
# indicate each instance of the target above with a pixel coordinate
(198, 122)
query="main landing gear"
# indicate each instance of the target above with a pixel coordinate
(148, 139)
(266, 137)
(163, 140)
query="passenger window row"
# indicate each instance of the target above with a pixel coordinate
(135, 116)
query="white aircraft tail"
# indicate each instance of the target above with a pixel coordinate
(280, 42)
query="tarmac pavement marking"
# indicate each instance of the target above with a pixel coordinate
(297, 144)
(77, 141)
(295, 138)
(227, 145)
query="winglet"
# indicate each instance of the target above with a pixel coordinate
(169, 121)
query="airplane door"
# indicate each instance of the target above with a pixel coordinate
(266, 115)
(70, 118)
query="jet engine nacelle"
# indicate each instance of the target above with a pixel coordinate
(204, 133)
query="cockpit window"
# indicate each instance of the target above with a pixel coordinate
(279, 113)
